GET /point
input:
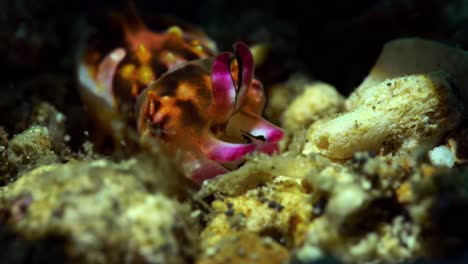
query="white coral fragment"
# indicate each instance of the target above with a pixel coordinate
(442, 156)
(407, 103)
(343, 203)
(410, 56)
(404, 113)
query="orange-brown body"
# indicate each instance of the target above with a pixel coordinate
(204, 110)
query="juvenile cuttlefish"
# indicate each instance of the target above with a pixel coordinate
(174, 89)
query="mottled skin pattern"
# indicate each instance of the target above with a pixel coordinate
(205, 110)
(177, 102)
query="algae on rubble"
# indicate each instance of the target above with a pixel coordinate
(103, 212)
(42, 143)
(30, 149)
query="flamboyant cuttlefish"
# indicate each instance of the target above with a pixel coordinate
(203, 107)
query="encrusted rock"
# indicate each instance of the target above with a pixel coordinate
(48, 116)
(409, 56)
(4, 165)
(281, 210)
(245, 248)
(30, 149)
(281, 95)
(257, 171)
(103, 212)
(316, 102)
(403, 114)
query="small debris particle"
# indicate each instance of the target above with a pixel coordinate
(67, 138)
(237, 221)
(229, 212)
(442, 156)
(282, 241)
(267, 242)
(319, 206)
(309, 254)
(275, 205)
(195, 214)
(211, 251)
(241, 252)
(356, 124)
(307, 186)
(59, 117)
(19, 207)
(218, 206)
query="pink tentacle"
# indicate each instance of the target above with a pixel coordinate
(107, 68)
(99, 83)
(223, 89)
(246, 70)
(199, 168)
(254, 126)
(224, 152)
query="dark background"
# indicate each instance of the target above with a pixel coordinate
(335, 41)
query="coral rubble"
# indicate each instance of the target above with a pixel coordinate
(401, 114)
(102, 211)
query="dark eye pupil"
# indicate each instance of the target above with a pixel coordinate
(261, 138)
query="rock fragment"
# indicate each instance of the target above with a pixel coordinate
(317, 101)
(403, 114)
(102, 212)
